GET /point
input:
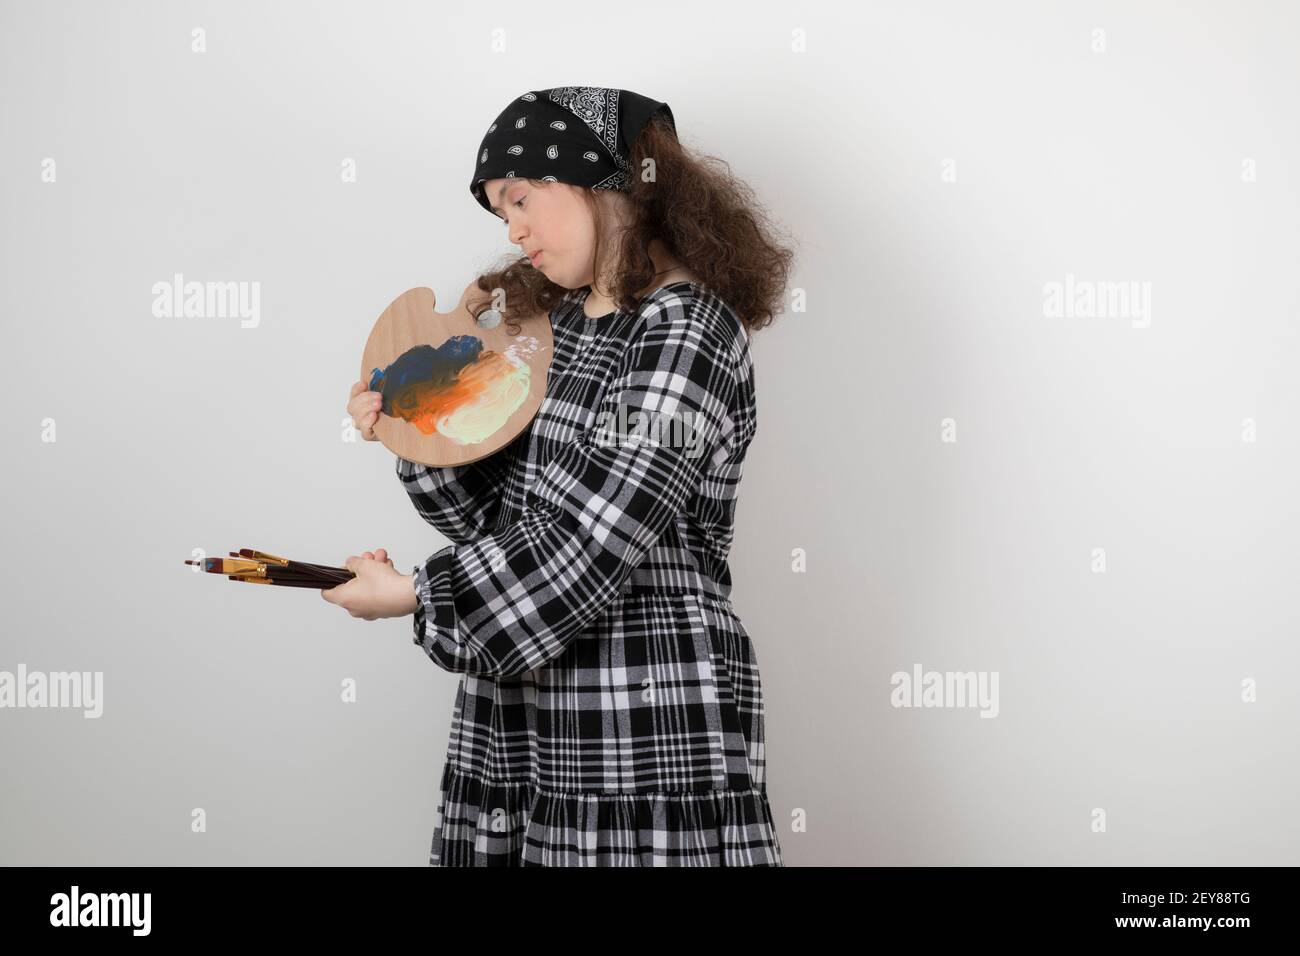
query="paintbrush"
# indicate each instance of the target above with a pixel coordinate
(277, 576)
(342, 573)
(319, 585)
(280, 571)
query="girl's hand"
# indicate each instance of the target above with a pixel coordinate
(364, 407)
(378, 590)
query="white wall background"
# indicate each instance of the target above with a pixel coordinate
(1170, 157)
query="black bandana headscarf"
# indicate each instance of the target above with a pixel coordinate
(581, 135)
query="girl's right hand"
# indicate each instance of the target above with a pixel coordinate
(364, 407)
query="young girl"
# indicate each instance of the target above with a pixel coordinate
(610, 710)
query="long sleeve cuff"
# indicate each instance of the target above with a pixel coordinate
(437, 628)
(431, 577)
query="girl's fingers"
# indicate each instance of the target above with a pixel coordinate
(362, 403)
(360, 410)
(365, 423)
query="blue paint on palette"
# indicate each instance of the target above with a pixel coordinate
(432, 367)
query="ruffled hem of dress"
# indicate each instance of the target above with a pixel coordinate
(516, 824)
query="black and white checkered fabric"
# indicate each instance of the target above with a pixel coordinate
(610, 711)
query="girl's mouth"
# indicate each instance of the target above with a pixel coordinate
(537, 257)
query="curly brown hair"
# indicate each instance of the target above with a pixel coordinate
(705, 217)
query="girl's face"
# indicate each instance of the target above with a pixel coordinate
(551, 223)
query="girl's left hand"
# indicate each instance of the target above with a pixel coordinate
(378, 590)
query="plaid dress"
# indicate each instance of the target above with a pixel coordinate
(609, 711)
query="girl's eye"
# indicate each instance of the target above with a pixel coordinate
(517, 202)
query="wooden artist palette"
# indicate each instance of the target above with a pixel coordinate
(454, 391)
